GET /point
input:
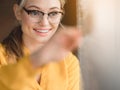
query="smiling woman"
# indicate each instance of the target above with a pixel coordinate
(29, 53)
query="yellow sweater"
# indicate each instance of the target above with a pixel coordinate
(63, 75)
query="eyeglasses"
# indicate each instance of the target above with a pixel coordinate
(37, 16)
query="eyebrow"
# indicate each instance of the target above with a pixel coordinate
(54, 8)
(33, 6)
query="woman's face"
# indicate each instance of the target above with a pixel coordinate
(36, 25)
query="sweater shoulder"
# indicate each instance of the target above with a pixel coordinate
(74, 72)
(71, 60)
(2, 55)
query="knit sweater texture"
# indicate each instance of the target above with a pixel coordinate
(62, 75)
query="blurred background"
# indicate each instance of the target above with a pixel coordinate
(99, 52)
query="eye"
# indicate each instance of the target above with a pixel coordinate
(52, 14)
(34, 12)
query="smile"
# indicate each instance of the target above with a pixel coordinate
(43, 31)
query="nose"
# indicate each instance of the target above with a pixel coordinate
(44, 21)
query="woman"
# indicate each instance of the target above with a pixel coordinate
(36, 55)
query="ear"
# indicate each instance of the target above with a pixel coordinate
(17, 12)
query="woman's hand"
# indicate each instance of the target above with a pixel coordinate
(62, 42)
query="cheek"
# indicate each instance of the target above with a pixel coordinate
(26, 24)
(25, 21)
(56, 25)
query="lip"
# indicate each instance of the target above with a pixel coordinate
(42, 31)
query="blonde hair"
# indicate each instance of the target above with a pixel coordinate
(22, 2)
(62, 3)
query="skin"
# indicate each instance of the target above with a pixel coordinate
(63, 41)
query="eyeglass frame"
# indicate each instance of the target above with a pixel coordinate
(42, 13)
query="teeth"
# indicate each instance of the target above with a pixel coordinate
(43, 31)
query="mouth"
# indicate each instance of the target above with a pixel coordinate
(42, 31)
